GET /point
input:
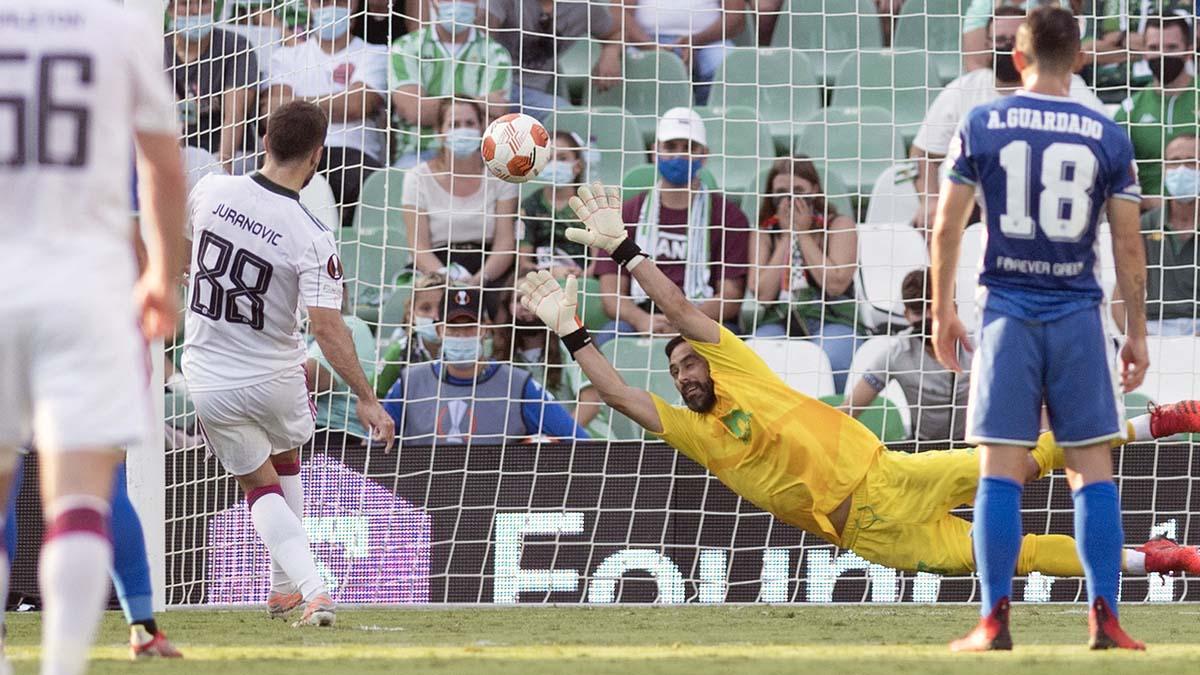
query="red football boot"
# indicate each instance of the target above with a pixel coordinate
(1105, 632)
(991, 633)
(1175, 418)
(1166, 556)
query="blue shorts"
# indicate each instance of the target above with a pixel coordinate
(1068, 363)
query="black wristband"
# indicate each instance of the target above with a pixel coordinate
(626, 251)
(576, 340)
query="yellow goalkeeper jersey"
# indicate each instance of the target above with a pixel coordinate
(788, 453)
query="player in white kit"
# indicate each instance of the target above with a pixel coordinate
(258, 256)
(83, 85)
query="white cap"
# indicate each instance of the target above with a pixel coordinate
(679, 123)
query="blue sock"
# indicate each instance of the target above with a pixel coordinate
(10, 516)
(131, 567)
(997, 537)
(1099, 538)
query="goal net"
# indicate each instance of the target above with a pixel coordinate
(803, 257)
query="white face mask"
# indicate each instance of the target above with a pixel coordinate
(559, 172)
(455, 16)
(331, 22)
(532, 355)
(463, 141)
(461, 349)
(1182, 183)
(424, 327)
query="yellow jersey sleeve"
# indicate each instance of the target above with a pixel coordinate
(682, 428)
(731, 355)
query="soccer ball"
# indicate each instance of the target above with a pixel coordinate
(515, 147)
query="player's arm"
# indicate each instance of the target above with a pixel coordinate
(333, 336)
(860, 397)
(163, 196)
(1129, 254)
(955, 203)
(555, 306)
(351, 106)
(235, 110)
(599, 209)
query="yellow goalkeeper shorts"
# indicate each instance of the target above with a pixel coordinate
(900, 513)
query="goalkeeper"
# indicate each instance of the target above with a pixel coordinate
(810, 465)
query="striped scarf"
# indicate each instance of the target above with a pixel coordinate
(697, 270)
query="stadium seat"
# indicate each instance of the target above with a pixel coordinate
(317, 197)
(858, 144)
(865, 355)
(882, 417)
(904, 82)
(652, 83)
(739, 146)
(894, 196)
(391, 316)
(1136, 403)
(198, 163)
(886, 252)
(781, 84)
(644, 365)
(828, 31)
(967, 279)
(1108, 273)
(591, 306)
(933, 26)
(641, 178)
(802, 364)
(377, 250)
(575, 65)
(1172, 373)
(610, 132)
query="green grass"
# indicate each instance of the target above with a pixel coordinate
(646, 640)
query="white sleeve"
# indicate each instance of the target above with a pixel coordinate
(193, 204)
(277, 68)
(505, 190)
(412, 188)
(940, 123)
(1082, 93)
(153, 103)
(321, 274)
(372, 69)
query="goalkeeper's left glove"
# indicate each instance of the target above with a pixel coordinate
(555, 306)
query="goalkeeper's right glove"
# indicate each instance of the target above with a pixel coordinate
(555, 306)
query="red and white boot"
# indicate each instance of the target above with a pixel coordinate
(1106, 632)
(990, 634)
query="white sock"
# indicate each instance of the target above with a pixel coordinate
(1134, 562)
(284, 536)
(1141, 428)
(293, 494)
(73, 576)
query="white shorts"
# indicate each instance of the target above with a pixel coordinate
(244, 427)
(73, 375)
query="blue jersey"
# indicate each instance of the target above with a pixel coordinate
(1044, 166)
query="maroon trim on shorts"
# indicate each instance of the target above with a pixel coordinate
(79, 520)
(282, 468)
(259, 492)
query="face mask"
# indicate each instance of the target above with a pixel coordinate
(678, 170)
(1183, 182)
(533, 355)
(454, 16)
(1166, 69)
(331, 22)
(193, 27)
(1005, 69)
(462, 141)
(559, 173)
(461, 349)
(424, 328)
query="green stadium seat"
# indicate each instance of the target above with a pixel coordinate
(377, 251)
(882, 417)
(653, 82)
(935, 27)
(644, 365)
(1136, 403)
(828, 31)
(391, 316)
(575, 65)
(904, 82)
(610, 132)
(857, 144)
(739, 146)
(591, 307)
(781, 82)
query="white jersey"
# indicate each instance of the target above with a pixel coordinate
(258, 257)
(77, 80)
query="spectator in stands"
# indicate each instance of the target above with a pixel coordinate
(464, 397)
(698, 31)
(532, 346)
(545, 215)
(386, 21)
(460, 218)
(448, 58)
(215, 74)
(976, 51)
(267, 25)
(698, 238)
(535, 31)
(346, 77)
(769, 13)
(417, 340)
(1172, 303)
(964, 93)
(805, 255)
(937, 397)
(1165, 108)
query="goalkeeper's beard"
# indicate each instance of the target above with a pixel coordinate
(699, 397)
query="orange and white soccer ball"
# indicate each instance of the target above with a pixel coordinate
(516, 147)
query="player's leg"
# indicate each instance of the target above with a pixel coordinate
(284, 596)
(1082, 400)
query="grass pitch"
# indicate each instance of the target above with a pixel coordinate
(747, 640)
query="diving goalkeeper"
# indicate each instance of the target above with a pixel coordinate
(810, 465)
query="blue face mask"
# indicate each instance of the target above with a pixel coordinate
(1183, 182)
(558, 172)
(461, 349)
(425, 327)
(678, 170)
(455, 16)
(463, 141)
(331, 22)
(193, 27)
